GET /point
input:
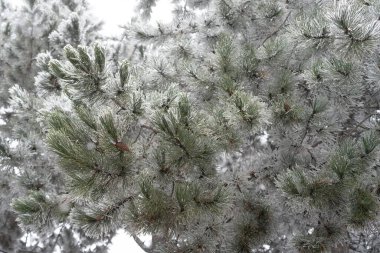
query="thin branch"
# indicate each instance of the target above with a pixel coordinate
(277, 30)
(56, 239)
(307, 129)
(150, 128)
(113, 208)
(138, 135)
(141, 244)
(360, 123)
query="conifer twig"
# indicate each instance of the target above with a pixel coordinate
(141, 244)
(277, 30)
(361, 122)
(113, 208)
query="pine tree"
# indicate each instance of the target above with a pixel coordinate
(247, 123)
(32, 34)
(28, 30)
(5, 9)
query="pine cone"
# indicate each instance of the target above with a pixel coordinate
(122, 146)
(287, 107)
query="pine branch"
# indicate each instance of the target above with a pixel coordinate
(178, 143)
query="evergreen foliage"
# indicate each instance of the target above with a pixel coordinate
(28, 170)
(245, 123)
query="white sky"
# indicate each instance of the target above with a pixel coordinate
(123, 243)
(119, 12)
(115, 13)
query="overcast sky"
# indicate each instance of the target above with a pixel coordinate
(119, 12)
